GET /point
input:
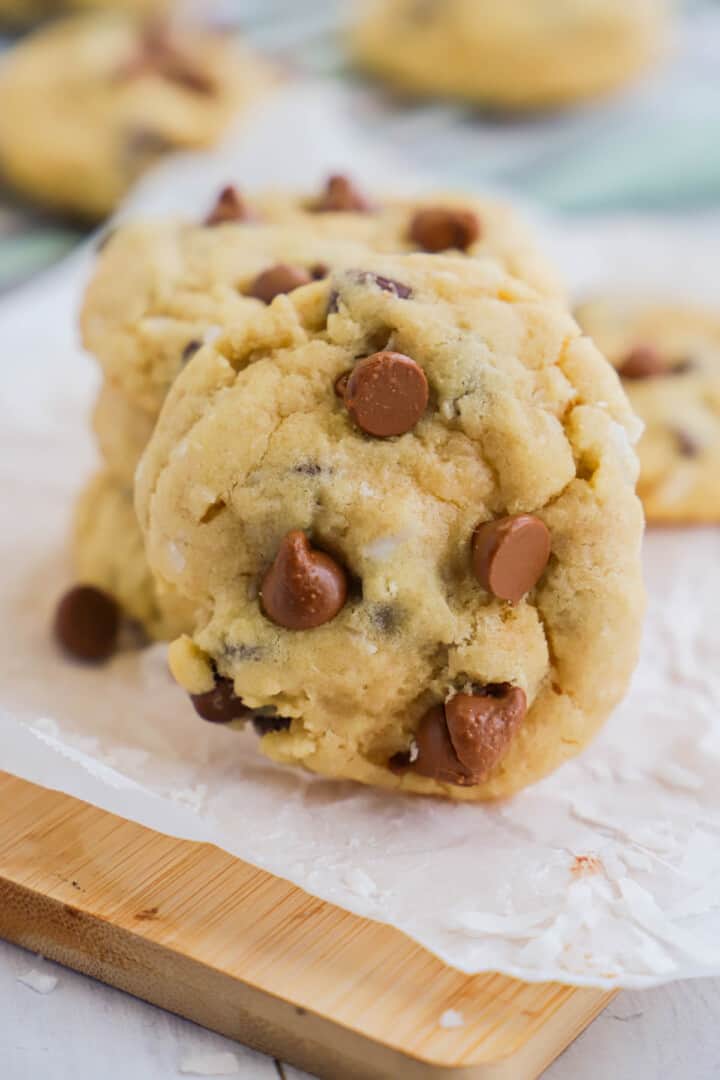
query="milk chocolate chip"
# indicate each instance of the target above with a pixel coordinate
(229, 206)
(482, 726)
(341, 195)
(386, 394)
(278, 279)
(441, 229)
(436, 755)
(87, 621)
(220, 705)
(509, 555)
(462, 742)
(304, 587)
(642, 362)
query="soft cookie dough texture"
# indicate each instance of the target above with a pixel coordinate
(513, 54)
(257, 449)
(668, 356)
(89, 103)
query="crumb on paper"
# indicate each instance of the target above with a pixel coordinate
(38, 981)
(586, 864)
(451, 1018)
(360, 882)
(209, 1063)
(194, 797)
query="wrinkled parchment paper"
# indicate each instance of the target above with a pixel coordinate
(606, 874)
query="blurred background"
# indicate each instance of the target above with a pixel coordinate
(649, 145)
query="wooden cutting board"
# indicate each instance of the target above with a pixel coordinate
(207, 936)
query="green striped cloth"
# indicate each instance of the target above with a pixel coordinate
(652, 146)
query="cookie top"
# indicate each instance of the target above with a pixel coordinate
(668, 356)
(87, 104)
(524, 54)
(392, 491)
(162, 289)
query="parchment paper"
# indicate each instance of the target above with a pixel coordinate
(606, 874)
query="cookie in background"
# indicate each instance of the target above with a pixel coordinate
(668, 356)
(20, 13)
(509, 54)
(89, 103)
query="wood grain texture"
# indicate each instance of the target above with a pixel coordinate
(204, 935)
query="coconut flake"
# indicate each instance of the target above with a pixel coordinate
(451, 1018)
(360, 882)
(38, 981)
(209, 1063)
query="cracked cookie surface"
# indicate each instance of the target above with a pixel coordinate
(89, 103)
(522, 54)
(668, 356)
(349, 581)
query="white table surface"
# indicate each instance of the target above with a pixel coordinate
(83, 1030)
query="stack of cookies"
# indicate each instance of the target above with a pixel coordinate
(364, 471)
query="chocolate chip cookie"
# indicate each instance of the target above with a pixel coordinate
(524, 54)
(401, 502)
(668, 356)
(90, 103)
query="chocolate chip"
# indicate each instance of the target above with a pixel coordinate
(190, 349)
(386, 394)
(341, 195)
(220, 705)
(386, 617)
(87, 621)
(433, 752)
(441, 229)
(308, 468)
(319, 271)
(509, 555)
(462, 742)
(158, 54)
(276, 280)
(397, 288)
(229, 206)
(482, 726)
(688, 446)
(264, 725)
(642, 362)
(304, 587)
